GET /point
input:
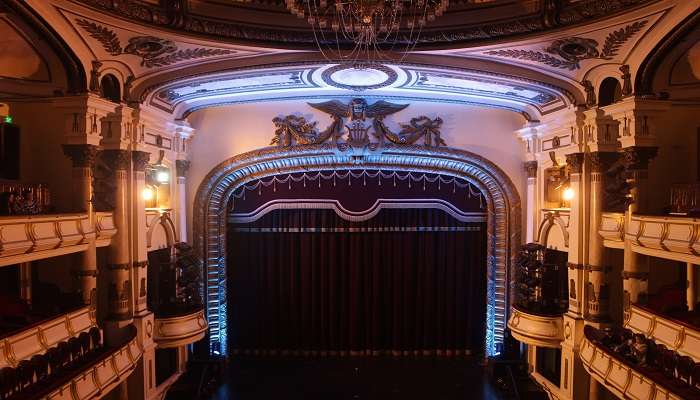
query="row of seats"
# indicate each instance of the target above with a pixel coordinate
(42, 367)
(679, 370)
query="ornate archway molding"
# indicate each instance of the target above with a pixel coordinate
(502, 199)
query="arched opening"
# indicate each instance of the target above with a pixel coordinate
(109, 87)
(357, 262)
(610, 92)
(502, 206)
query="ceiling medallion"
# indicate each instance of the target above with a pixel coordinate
(366, 25)
(359, 77)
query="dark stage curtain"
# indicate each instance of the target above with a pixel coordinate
(406, 282)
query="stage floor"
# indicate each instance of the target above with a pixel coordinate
(355, 378)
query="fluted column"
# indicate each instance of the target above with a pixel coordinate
(140, 272)
(636, 270)
(575, 162)
(181, 168)
(531, 169)
(118, 261)
(83, 157)
(598, 285)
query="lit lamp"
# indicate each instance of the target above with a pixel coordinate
(147, 194)
(568, 194)
(162, 177)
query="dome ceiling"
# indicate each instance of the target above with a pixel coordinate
(268, 22)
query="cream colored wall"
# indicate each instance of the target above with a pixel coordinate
(226, 131)
(41, 155)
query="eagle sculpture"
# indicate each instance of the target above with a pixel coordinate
(358, 109)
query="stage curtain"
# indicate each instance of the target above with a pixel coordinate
(406, 282)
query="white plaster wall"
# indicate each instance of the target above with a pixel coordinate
(223, 132)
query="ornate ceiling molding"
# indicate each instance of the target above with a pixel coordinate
(153, 51)
(415, 82)
(175, 14)
(567, 53)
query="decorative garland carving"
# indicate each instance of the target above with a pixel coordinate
(616, 39)
(109, 40)
(154, 52)
(293, 129)
(572, 50)
(536, 56)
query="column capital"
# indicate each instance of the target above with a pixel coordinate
(530, 168)
(181, 167)
(82, 155)
(116, 159)
(140, 159)
(637, 157)
(602, 160)
(575, 162)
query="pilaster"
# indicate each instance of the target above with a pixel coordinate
(181, 169)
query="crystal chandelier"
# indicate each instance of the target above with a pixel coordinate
(363, 30)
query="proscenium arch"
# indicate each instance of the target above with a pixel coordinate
(502, 199)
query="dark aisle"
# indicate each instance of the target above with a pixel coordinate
(375, 378)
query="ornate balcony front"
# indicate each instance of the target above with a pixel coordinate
(673, 238)
(675, 335)
(98, 377)
(612, 227)
(38, 338)
(538, 330)
(104, 228)
(626, 379)
(180, 330)
(33, 237)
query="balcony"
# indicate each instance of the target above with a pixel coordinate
(174, 279)
(37, 338)
(88, 373)
(673, 238)
(180, 330)
(657, 376)
(678, 336)
(104, 228)
(612, 230)
(541, 297)
(33, 237)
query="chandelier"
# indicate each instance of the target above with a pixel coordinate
(363, 30)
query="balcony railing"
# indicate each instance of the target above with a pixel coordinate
(635, 367)
(685, 199)
(174, 281)
(541, 282)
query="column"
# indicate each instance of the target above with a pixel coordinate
(690, 286)
(83, 157)
(597, 287)
(575, 162)
(25, 282)
(530, 204)
(140, 272)
(635, 268)
(181, 168)
(575, 381)
(118, 260)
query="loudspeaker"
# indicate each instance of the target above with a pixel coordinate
(9, 151)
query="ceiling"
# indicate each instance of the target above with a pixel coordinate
(531, 57)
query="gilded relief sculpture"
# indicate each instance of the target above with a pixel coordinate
(293, 129)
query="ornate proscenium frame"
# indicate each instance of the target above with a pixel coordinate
(502, 200)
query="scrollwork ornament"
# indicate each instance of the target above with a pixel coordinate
(575, 162)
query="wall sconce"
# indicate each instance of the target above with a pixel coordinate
(162, 177)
